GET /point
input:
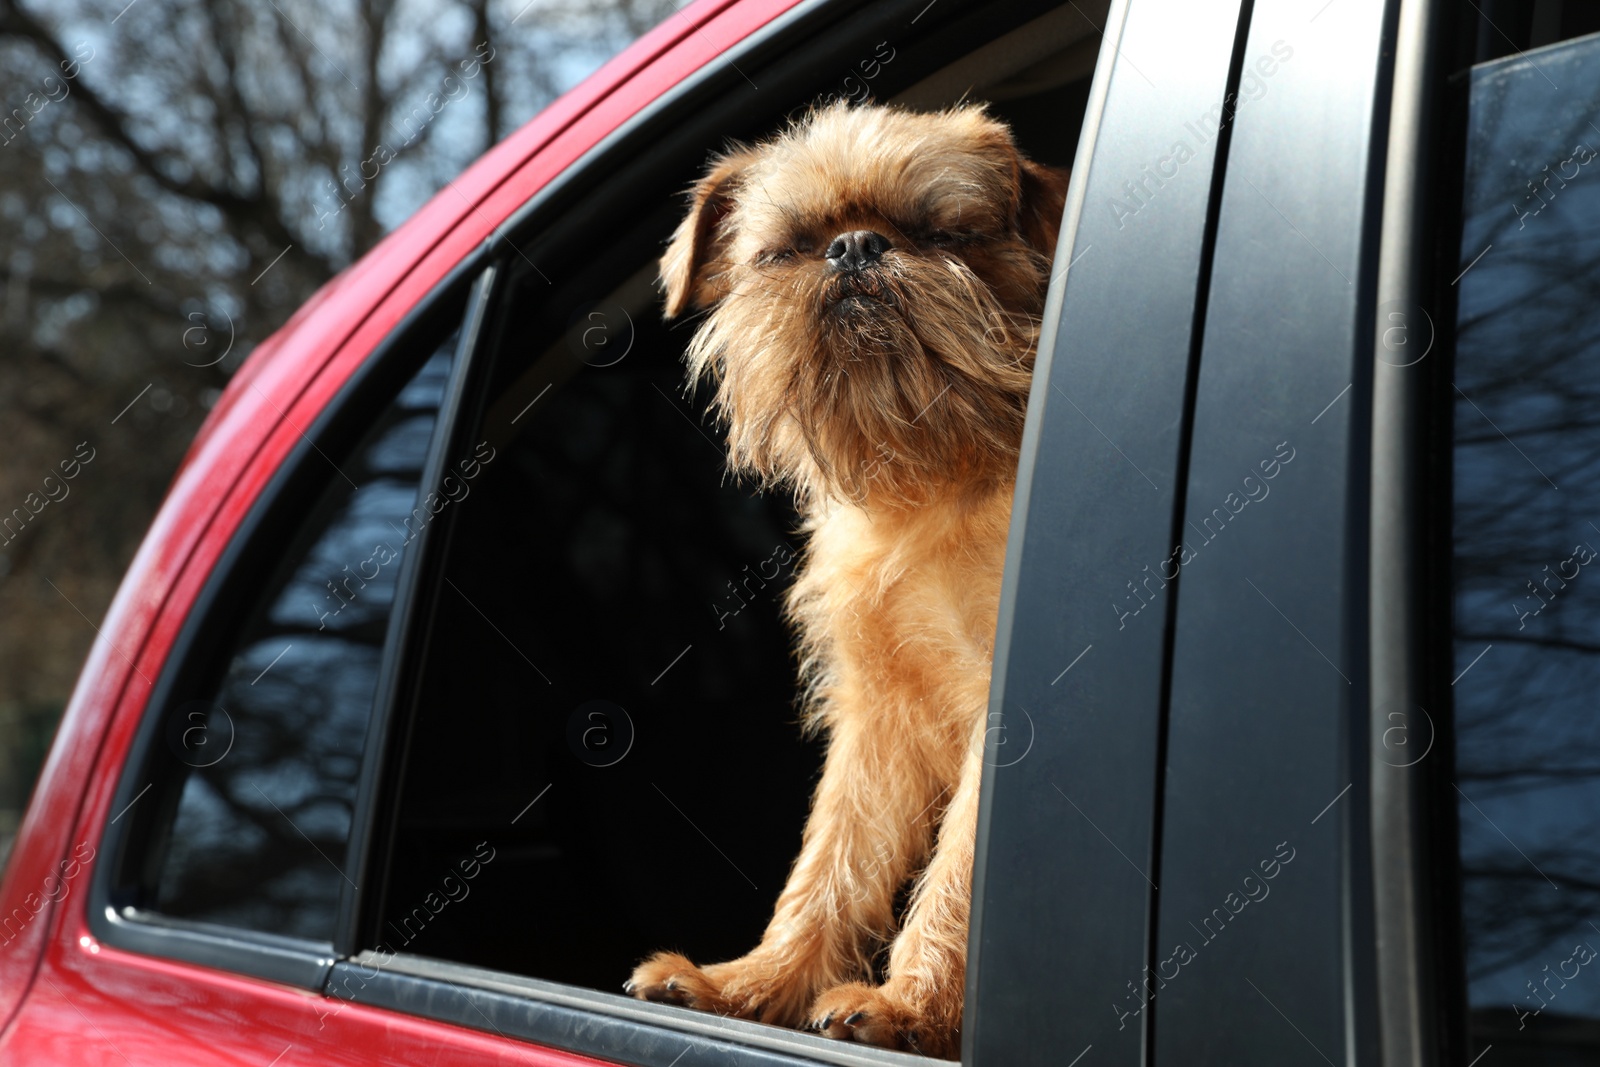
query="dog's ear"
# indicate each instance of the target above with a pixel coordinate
(694, 256)
(1043, 197)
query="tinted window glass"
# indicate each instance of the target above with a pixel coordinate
(1527, 557)
(273, 753)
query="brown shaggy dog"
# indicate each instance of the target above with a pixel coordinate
(874, 279)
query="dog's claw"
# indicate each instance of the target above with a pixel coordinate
(857, 1017)
(628, 987)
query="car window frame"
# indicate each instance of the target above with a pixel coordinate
(413, 592)
(1418, 966)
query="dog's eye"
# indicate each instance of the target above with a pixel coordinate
(801, 247)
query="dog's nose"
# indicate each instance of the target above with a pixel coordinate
(856, 250)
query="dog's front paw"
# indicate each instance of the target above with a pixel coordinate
(750, 988)
(880, 1016)
(669, 978)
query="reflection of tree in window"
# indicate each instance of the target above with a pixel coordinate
(260, 834)
(1527, 547)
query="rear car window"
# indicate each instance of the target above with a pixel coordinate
(1527, 556)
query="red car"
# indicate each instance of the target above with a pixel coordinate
(450, 680)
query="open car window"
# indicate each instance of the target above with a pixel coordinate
(597, 750)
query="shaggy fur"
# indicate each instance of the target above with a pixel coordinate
(889, 399)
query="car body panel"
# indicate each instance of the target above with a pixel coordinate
(1068, 830)
(1261, 907)
(107, 1007)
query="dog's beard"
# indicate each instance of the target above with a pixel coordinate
(890, 386)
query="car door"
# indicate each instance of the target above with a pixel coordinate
(1153, 397)
(248, 821)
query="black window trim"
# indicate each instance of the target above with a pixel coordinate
(1420, 986)
(274, 957)
(607, 1026)
(409, 605)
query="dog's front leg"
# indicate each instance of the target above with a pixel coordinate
(870, 828)
(919, 1006)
